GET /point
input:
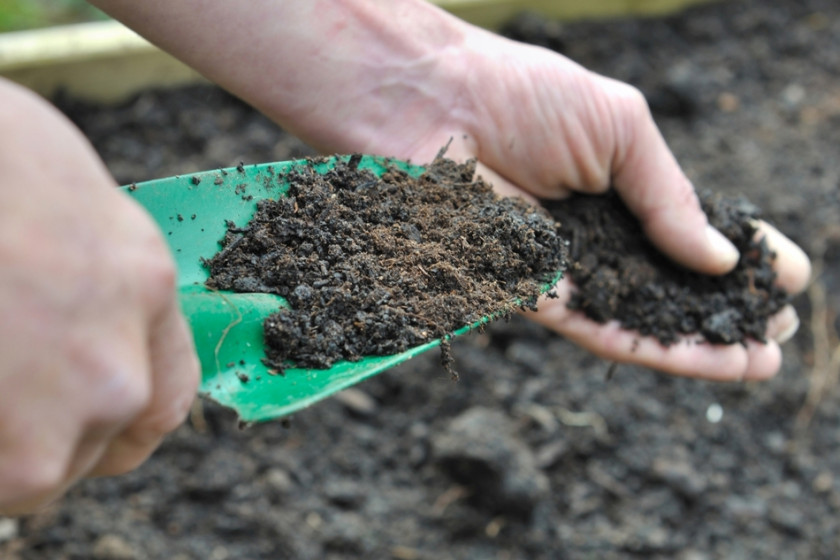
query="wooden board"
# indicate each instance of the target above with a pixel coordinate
(106, 62)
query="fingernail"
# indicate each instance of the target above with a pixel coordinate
(788, 315)
(725, 250)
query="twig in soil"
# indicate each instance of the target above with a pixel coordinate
(449, 497)
(446, 357)
(495, 526)
(400, 552)
(442, 152)
(585, 419)
(197, 419)
(606, 481)
(826, 370)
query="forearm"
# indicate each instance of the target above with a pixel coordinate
(331, 71)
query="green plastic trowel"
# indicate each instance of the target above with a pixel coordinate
(193, 211)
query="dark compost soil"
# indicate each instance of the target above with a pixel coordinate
(533, 454)
(620, 275)
(372, 266)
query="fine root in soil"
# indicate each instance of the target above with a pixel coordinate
(824, 374)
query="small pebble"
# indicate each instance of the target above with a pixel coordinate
(357, 402)
(714, 413)
(113, 547)
(279, 480)
(8, 529)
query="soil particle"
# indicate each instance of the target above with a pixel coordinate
(344, 493)
(279, 481)
(8, 529)
(374, 266)
(787, 516)
(681, 476)
(619, 274)
(480, 449)
(347, 533)
(357, 402)
(113, 547)
(217, 475)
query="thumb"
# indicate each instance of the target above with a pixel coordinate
(649, 180)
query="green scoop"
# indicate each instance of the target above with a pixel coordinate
(192, 211)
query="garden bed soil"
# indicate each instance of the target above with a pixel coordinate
(534, 453)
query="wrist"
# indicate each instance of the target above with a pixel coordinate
(399, 68)
(344, 75)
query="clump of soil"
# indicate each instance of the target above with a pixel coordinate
(373, 266)
(621, 275)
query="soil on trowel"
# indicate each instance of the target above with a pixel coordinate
(374, 265)
(620, 275)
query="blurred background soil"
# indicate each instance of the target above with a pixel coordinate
(533, 453)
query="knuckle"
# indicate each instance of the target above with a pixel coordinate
(128, 395)
(630, 110)
(119, 384)
(145, 259)
(161, 271)
(686, 195)
(632, 98)
(30, 475)
(44, 477)
(169, 406)
(157, 278)
(683, 196)
(127, 463)
(165, 419)
(162, 274)
(596, 181)
(122, 393)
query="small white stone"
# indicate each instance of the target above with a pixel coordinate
(714, 413)
(113, 547)
(279, 480)
(357, 401)
(793, 95)
(8, 529)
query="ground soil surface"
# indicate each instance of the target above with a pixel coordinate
(533, 453)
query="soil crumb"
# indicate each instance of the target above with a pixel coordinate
(620, 275)
(374, 265)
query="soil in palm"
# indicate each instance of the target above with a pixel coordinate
(620, 275)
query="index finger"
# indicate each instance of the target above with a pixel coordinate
(653, 186)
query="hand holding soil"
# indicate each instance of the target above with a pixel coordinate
(604, 137)
(623, 283)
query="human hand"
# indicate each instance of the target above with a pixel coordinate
(541, 125)
(96, 361)
(547, 125)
